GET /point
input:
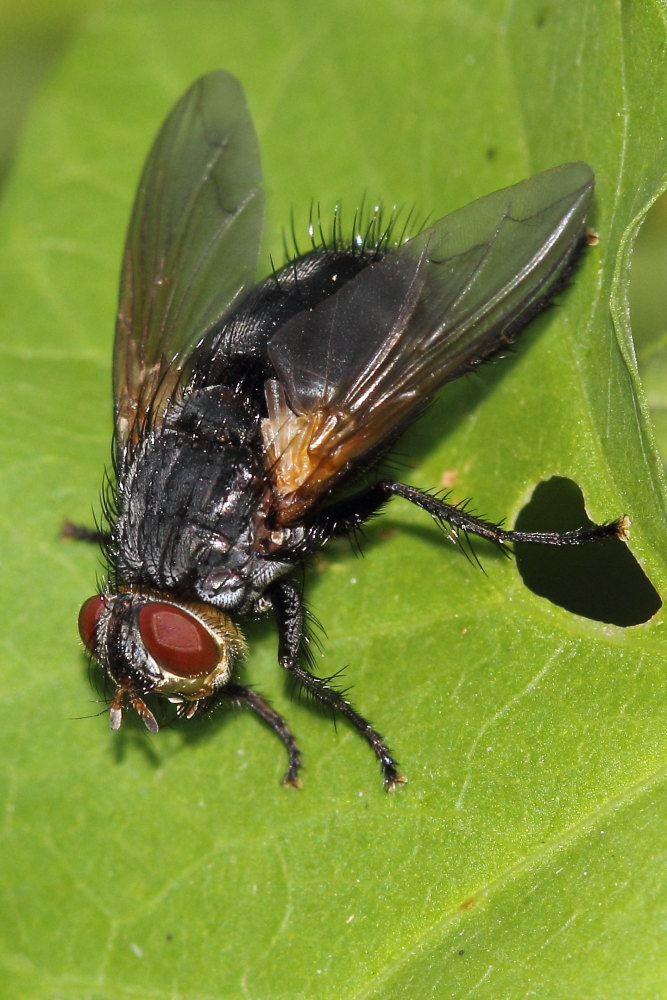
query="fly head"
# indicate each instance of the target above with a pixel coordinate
(151, 643)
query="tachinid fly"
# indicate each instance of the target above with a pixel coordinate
(249, 419)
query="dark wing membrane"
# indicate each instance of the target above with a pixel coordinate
(191, 248)
(354, 370)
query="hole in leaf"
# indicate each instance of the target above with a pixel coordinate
(602, 581)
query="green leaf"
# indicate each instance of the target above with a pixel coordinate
(526, 856)
(648, 303)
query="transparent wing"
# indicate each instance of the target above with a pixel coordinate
(191, 248)
(354, 370)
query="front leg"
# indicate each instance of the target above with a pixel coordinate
(289, 611)
(239, 694)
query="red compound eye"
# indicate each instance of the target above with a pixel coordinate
(176, 640)
(89, 616)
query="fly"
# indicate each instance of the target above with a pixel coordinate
(249, 418)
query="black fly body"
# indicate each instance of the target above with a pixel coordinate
(245, 415)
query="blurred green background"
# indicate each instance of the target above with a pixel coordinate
(33, 37)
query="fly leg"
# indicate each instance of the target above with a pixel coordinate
(83, 534)
(458, 518)
(348, 514)
(289, 611)
(239, 694)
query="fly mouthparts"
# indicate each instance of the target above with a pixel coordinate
(138, 704)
